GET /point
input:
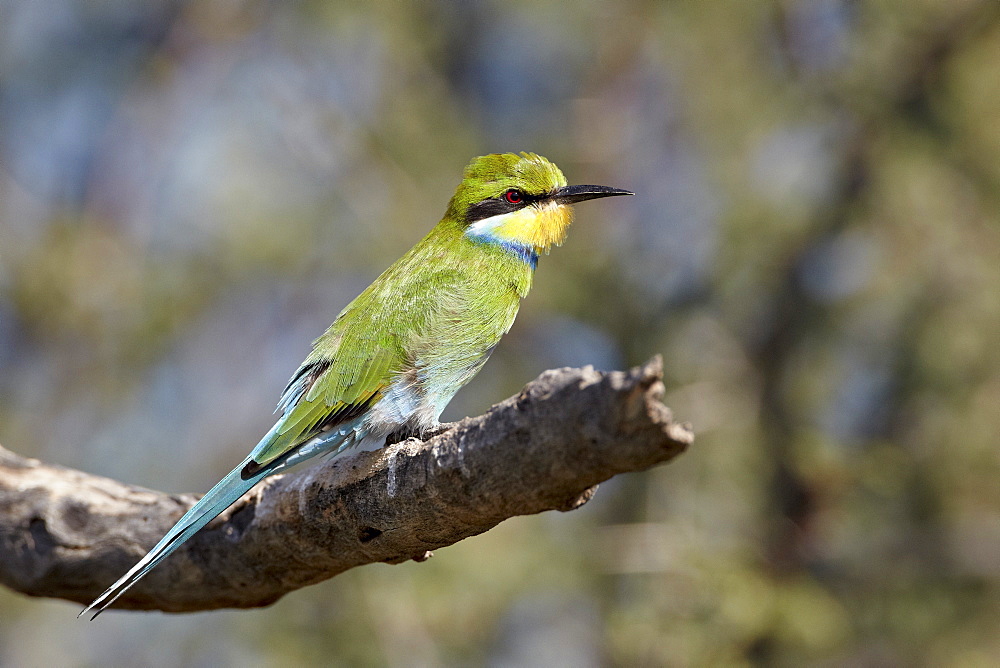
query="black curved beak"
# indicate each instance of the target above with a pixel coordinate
(574, 194)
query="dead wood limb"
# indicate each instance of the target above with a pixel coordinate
(69, 534)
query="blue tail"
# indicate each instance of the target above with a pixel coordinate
(220, 497)
(223, 495)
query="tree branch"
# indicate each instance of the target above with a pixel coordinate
(69, 534)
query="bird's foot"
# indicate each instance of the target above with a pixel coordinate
(436, 430)
(404, 433)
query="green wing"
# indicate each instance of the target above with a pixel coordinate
(367, 346)
(326, 392)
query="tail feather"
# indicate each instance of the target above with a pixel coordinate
(236, 483)
(220, 497)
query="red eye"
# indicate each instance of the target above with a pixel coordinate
(513, 196)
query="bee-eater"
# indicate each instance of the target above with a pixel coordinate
(398, 353)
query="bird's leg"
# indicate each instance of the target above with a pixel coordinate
(436, 430)
(400, 435)
(425, 434)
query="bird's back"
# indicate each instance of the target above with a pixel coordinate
(401, 350)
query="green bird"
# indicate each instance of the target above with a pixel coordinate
(398, 353)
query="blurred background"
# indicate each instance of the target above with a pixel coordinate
(191, 191)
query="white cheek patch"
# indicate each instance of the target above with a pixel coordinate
(486, 229)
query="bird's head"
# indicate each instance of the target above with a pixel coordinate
(519, 201)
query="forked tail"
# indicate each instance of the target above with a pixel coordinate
(220, 497)
(237, 483)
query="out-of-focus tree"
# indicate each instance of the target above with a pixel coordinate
(190, 191)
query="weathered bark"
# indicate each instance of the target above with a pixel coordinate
(69, 534)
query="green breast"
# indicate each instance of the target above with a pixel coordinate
(434, 317)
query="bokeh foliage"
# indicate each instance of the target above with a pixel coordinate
(190, 191)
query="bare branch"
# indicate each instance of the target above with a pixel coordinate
(68, 534)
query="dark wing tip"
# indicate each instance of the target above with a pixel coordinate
(250, 470)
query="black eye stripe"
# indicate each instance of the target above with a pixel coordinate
(496, 206)
(488, 208)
